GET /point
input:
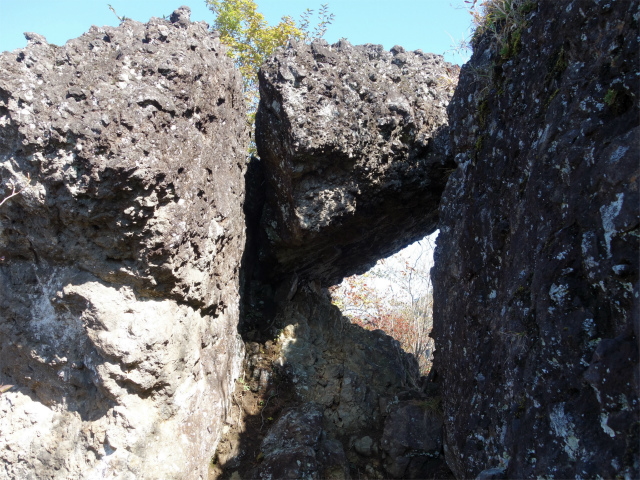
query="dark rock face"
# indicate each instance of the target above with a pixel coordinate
(536, 276)
(119, 279)
(412, 435)
(293, 445)
(354, 142)
(363, 411)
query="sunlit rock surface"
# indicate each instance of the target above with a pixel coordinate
(119, 273)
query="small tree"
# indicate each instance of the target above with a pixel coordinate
(251, 40)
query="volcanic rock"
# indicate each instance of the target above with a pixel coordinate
(536, 313)
(362, 405)
(119, 276)
(354, 146)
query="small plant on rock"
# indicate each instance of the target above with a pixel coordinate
(432, 404)
(610, 97)
(503, 20)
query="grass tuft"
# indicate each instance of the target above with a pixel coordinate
(502, 20)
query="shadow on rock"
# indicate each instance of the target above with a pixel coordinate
(323, 398)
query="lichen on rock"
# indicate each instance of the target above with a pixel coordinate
(536, 269)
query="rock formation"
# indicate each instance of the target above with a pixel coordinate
(340, 401)
(119, 276)
(123, 259)
(536, 272)
(354, 142)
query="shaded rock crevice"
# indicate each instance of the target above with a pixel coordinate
(323, 398)
(322, 202)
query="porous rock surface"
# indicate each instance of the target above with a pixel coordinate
(354, 142)
(360, 406)
(119, 273)
(536, 269)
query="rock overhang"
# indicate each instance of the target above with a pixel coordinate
(354, 144)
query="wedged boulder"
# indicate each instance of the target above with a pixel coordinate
(119, 272)
(353, 141)
(536, 313)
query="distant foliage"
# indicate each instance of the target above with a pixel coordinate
(251, 40)
(395, 297)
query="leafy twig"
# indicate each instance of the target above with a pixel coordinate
(121, 18)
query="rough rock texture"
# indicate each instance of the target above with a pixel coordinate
(359, 411)
(119, 273)
(412, 437)
(536, 270)
(354, 142)
(296, 448)
(341, 366)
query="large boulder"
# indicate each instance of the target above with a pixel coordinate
(353, 141)
(119, 272)
(536, 312)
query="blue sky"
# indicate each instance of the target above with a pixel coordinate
(414, 24)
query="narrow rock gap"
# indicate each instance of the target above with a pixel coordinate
(120, 345)
(317, 388)
(320, 395)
